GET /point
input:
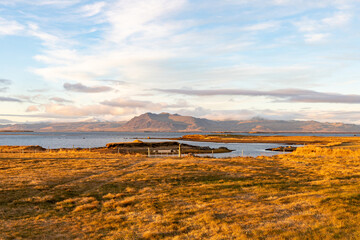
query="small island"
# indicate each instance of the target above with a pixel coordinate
(282, 149)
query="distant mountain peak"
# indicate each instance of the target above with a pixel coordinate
(167, 122)
(175, 122)
(258, 118)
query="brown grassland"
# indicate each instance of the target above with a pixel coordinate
(231, 138)
(312, 193)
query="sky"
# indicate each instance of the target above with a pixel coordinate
(84, 60)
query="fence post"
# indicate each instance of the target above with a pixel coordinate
(179, 150)
(148, 152)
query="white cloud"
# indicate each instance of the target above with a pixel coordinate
(307, 25)
(57, 3)
(130, 43)
(298, 4)
(84, 110)
(311, 25)
(128, 17)
(32, 108)
(341, 4)
(10, 27)
(58, 56)
(144, 105)
(62, 3)
(318, 30)
(337, 20)
(262, 26)
(129, 103)
(92, 9)
(48, 39)
(148, 44)
(60, 100)
(315, 37)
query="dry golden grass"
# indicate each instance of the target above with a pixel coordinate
(313, 193)
(230, 138)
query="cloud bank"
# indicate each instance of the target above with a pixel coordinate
(78, 87)
(291, 95)
(9, 99)
(60, 100)
(119, 50)
(5, 81)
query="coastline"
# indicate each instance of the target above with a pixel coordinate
(289, 140)
(135, 147)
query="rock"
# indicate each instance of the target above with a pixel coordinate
(282, 149)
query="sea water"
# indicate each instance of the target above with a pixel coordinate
(100, 139)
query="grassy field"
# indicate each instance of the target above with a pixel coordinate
(312, 193)
(230, 138)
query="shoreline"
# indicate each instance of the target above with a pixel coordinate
(200, 132)
(135, 147)
(288, 140)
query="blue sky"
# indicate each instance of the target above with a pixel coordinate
(77, 60)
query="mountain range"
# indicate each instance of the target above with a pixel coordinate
(166, 122)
